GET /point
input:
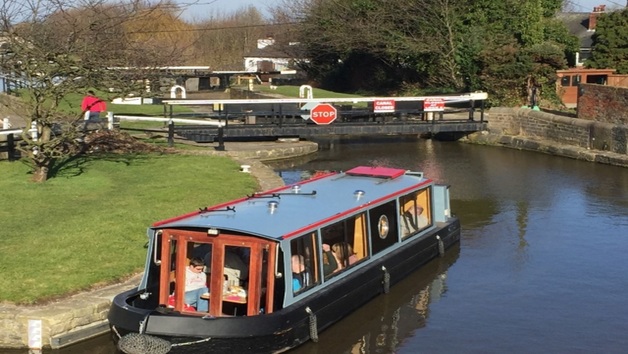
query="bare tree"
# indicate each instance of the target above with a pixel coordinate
(55, 48)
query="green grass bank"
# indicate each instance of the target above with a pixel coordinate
(87, 226)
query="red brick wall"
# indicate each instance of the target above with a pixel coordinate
(607, 104)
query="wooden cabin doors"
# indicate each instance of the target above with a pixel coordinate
(239, 271)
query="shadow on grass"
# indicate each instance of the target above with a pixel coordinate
(76, 165)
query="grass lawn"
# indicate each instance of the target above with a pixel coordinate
(88, 225)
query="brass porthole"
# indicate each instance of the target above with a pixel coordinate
(383, 226)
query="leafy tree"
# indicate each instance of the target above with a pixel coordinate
(56, 48)
(504, 47)
(610, 42)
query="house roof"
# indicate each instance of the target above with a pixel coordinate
(578, 24)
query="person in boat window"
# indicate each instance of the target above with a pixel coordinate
(300, 276)
(196, 285)
(345, 254)
(413, 220)
(330, 261)
(235, 270)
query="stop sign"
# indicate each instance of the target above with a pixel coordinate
(323, 113)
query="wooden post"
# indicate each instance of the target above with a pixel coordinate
(471, 109)
(221, 140)
(171, 133)
(10, 147)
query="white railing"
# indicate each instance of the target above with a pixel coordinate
(474, 96)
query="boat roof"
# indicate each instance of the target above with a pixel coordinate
(293, 209)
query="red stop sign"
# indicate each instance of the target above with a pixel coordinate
(323, 113)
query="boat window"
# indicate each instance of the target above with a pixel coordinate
(383, 225)
(304, 262)
(415, 212)
(347, 239)
(238, 271)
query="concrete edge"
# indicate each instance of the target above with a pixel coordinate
(548, 147)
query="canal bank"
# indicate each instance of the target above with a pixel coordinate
(61, 323)
(581, 139)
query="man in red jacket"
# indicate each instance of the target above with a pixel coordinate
(93, 104)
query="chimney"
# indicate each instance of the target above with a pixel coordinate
(597, 10)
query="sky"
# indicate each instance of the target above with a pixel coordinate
(588, 5)
(199, 8)
(227, 6)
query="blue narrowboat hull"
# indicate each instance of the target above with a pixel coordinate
(292, 325)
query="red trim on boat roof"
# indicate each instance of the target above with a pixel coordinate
(340, 216)
(379, 172)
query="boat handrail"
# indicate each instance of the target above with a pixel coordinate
(157, 236)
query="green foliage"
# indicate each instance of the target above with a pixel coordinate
(89, 225)
(610, 42)
(502, 47)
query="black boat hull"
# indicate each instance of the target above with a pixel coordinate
(290, 326)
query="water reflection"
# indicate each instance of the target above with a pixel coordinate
(386, 321)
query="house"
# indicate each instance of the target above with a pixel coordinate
(582, 25)
(569, 80)
(267, 57)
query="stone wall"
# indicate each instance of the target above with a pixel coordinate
(582, 133)
(608, 104)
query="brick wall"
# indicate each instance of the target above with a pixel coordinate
(558, 129)
(602, 103)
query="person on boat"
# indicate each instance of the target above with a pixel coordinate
(300, 276)
(236, 271)
(330, 261)
(345, 254)
(413, 220)
(196, 285)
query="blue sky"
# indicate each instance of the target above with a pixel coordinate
(201, 8)
(588, 5)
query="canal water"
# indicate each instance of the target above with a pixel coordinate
(541, 266)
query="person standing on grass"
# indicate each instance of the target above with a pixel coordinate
(93, 105)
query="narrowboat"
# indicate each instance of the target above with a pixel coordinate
(268, 272)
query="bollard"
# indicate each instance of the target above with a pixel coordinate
(34, 334)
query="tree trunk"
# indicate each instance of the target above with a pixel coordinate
(40, 172)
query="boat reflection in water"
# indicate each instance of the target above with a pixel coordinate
(383, 324)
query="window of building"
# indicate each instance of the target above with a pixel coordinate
(565, 81)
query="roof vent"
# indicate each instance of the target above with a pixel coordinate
(296, 188)
(358, 194)
(272, 206)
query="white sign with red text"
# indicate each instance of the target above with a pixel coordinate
(383, 106)
(434, 105)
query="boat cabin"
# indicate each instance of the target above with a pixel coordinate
(262, 253)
